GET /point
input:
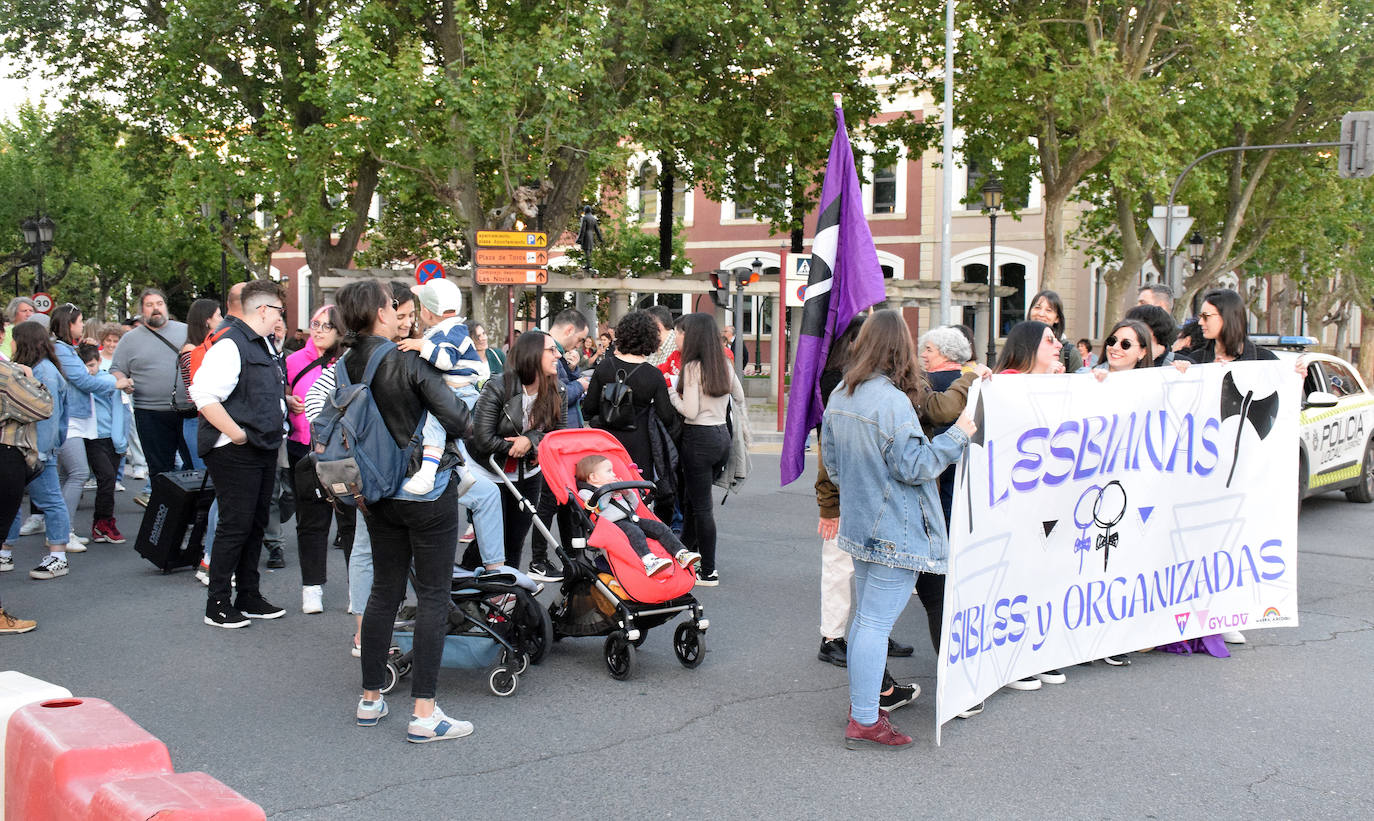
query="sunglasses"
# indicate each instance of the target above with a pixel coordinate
(1125, 343)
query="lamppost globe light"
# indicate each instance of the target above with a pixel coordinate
(46, 229)
(38, 234)
(1196, 245)
(992, 194)
(30, 229)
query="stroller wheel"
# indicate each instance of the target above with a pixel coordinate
(620, 655)
(689, 644)
(534, 628)
(393, 677)
(518, 664)
(503, 681)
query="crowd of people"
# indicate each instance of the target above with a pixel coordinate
(79, 402)
(895, 424)
(196, 395)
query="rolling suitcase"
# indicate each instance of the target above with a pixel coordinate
(179, 502)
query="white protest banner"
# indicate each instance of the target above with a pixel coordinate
(1094, 518)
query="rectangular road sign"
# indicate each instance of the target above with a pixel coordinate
(512, 276)
(512, 239)
(511, 256)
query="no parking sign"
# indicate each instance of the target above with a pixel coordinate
(427, 270)
(798, 273)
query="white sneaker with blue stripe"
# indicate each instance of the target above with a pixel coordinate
(436, 727)
(371, 712)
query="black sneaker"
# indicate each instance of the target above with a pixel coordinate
(899, 651)
(223, 614)
(711, 579)
(834, 651)
(275, 559)
(901, 695)
(542, 571)
(256, 607)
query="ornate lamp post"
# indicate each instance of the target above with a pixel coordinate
(992, 203)
(38, 232)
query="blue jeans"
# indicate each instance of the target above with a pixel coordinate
(880, 595)
(46, 493)
(483, 499)
(359, 571)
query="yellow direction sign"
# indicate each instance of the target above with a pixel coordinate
(512, 276)
(511, 256)
(512, 239)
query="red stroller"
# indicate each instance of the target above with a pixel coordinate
(605, 591)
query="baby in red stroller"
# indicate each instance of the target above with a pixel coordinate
(618, 508)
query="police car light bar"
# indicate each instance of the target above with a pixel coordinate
(1276, 341)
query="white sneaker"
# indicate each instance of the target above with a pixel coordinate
(203, 574)
(312, 599)
(1233, 637)
(6, 564)
(77, 537)
(75, 544)
(90, 485)
(1027, 683)
(138, 473)
(50, 568)
(33, 524)
(436, 727)
(119, 487)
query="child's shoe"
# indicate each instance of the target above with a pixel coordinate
(688, 558)
(423, 480)
(655, 564)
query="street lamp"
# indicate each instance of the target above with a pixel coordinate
(207, 211)
(38, 234)
(1196, 245)
(992, 203)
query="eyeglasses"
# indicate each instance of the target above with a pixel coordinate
(321, 326)
(1207, 315)
(279, 308)
(1125, 343)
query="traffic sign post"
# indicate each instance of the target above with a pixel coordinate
(42, 303)
(510, 256)
(427, 270)
(512, 239)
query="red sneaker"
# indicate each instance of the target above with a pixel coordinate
(882, 733)
(104, 530)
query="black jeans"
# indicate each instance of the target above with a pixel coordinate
(313, 514)
(653, 529)
(704, 450)
(243, 477)
(515, 521)
(403, 533)
(160, 433)
(100, 454)
(12, 473)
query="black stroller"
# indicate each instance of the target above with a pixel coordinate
(493, 622)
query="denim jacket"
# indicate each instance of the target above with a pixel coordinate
(52, 432)
(81, 383)
(887, 472)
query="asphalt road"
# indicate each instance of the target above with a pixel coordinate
(1278, 730)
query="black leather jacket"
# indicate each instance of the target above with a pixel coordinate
(404, 387)
(498, 414)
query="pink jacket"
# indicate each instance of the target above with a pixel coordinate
(295, 363)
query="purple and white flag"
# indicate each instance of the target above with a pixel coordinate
(845, 279)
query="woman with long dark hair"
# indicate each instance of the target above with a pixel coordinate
(34, 348)
(68, 328)
(407, 533)
(890, 519)
(1048, 308)
(203, 317)
(1126, 348)
(27, 402)
(1223, 323)
(1031, 347)
(512, 415)
(705, 387)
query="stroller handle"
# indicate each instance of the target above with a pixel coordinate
(612, 487)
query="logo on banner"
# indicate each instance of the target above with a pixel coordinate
(1181, 619)
(1271, 614)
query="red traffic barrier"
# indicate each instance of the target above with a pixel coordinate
(63, 754)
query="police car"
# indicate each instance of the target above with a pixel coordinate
(1336, 426)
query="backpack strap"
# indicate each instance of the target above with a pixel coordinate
(374, 360)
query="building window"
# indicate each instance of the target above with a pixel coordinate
(973, 193)
(648, 192)
(885, 190)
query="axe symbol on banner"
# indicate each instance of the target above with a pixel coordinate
(1261, 414)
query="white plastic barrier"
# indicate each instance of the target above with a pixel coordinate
(17, 690)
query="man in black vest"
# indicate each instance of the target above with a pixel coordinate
(239, 390)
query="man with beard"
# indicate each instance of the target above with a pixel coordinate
(148, 356)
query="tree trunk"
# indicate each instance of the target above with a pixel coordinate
(1056, 244)
(1366, 363)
